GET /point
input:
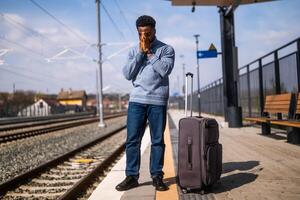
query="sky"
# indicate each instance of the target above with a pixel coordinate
(47, 55)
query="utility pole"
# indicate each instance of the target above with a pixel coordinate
(178, 84)
(198, 74)
(97, 92)
(183, 78)
(101, 122)
(120, 102)
(183, 74)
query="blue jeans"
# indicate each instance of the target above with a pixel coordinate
(137, 117)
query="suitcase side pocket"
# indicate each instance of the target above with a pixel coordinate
(213, 163)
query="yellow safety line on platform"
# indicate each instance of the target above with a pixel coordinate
(169, 171)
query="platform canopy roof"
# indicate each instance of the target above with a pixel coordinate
(214, 2)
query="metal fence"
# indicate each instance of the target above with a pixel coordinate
(256, 80)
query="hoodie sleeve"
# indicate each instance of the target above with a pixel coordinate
(134, 61)
(165, 63)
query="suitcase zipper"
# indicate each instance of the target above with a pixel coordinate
(190, 150)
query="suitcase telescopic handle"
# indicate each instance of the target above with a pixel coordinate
(186, 93)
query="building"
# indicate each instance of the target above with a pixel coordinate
(72, 98)
(39, 108)
(115, 102)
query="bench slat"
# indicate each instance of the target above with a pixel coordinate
(279, 97)
(277, 106)
(286, 123)
(272, 110)
(256, 119)
(278, 103)
(277, 111)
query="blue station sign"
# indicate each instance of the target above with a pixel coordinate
(207, 54)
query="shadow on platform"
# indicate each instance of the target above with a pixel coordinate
(236, 180)
(145, 183)
(167, 181)
(279, 135)
(170, 181)
(233, 181)
(242, 166)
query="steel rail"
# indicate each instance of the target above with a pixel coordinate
(17, 120)
(86, 181)
(40, 123)
(40, 131)
(24, 177)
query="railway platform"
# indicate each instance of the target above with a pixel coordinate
(254, 167)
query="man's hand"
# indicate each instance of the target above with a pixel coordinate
(145, 43)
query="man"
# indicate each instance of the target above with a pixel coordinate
(148, 67)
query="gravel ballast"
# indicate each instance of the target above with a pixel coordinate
(22, 155)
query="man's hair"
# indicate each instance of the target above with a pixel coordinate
(145, 20)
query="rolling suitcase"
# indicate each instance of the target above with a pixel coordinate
(199, 152)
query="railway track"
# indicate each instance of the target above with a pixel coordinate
(69, 175)
(22, 120)
(11, 135)
(11, 127)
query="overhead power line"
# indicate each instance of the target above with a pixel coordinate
(59, 21)
(22, 27)
(20, 74)
(18, 24)
(24, 47)
(124, 17)
(31, 78)
(50, 77)
(112, 21)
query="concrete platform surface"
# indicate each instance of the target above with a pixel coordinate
(255, 166)
(145, 190)
(106, 189)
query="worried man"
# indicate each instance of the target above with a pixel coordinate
(148, 67)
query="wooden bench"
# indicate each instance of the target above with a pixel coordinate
(293, 125)
(275, 107)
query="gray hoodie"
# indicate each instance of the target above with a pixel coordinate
(149, 76)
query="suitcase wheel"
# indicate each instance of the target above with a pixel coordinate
(184, 191)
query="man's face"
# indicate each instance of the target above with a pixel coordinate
(146, 31)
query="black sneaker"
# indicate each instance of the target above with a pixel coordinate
(158, 183)
(128, 183)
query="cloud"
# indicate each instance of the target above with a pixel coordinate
(14, 35)
(263, 41)
(15, 17)
(84, 3)
(176, 19)
(271, 37)
(179, 42)
(259, 30)
(48, 30)
(267, 36)
(8, 23)
(48, 39)
(147, 9)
